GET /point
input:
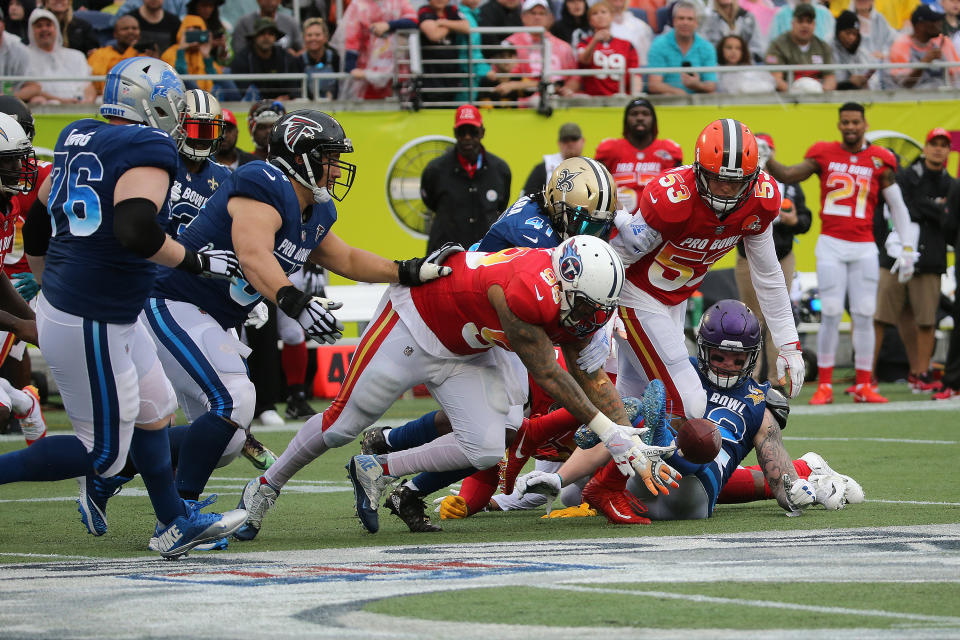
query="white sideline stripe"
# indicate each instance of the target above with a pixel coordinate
(11, 554)
(892, 440)
(220, 490)
(760, 603)
(945, 504)
(900, 405)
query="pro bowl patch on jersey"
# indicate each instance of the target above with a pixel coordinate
(571, 266)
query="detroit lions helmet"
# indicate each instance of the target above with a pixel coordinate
(202, 126)
(307, 144)
(726, 154)
(581, 198)
(591, 277)
(729, 326)
(15, 107)
(148, 91)
(18, 164)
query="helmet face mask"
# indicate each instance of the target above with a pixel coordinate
(726, 166)
(729, 341)
(202, 125)
(591, 277)
(148, 91)
(581, 198)
(18, 163)
(308, 145)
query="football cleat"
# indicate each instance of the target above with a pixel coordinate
(214, 545)
(32, 423)
(298, 407)
(823, 394)
(619, 506)
(948, 393)
(258, 455)
(408, 505)
(819, 467)
(369, 481)
(654, 408)
(926, 383)
(195, 528)
(257, 498)
(867, 393)
(374, 442)
(92, 502)
(515, 461)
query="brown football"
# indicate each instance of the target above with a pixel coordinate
(699, 440)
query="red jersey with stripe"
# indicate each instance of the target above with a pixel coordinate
(632, 168)
(849, 188)
(14, 259)
(692, 236)
(456, 308)
(615, 55)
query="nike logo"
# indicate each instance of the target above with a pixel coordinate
(520, 446)
(169, 538)
(537, 291)
(653, 200)
(614, 509)
(273, 178)
(533, 240)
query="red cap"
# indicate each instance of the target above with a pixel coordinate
(939, 132)
(467, 114)
(766, 138)
(229, 117)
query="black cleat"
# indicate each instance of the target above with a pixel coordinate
(408, 505)
(298, 407)
(374, 442)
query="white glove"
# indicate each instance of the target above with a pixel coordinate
(905, 264)
(790, 368)
(218, 263)
(540, 482)
(763, 153)
(800, 494)
(893, 245)
(593, 356)
(317, 321)
(258, 316)
(417, 271)
(624, 445)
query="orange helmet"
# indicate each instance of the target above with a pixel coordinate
(726, 152)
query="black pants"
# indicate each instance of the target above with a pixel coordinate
(266, 373)
(951, 374)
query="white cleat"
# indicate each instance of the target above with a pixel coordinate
(819, 467)
(257, 498)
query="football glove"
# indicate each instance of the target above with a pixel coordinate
(417, 271)
(218, 263)
(790, 368)
(905, 264)
(451, 508)
(258, 316)
(545, 484)
(593, 356)
(583, 511)
(800, 494)
(312, 313)
(26, 285)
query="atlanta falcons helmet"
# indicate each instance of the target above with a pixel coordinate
(581, 198)
(726, 153)
(202, 125)
(18, 164)
(730, 326)
(591, 277)
(307, 144)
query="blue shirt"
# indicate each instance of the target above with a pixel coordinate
(190, 191)
(823, 27)
(88, 273)
(230, 302)
(524, 224)
(664, 52)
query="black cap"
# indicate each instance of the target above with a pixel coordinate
(804, 10)
(847, 20)
(925, 13)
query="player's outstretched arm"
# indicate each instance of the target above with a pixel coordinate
(351, 262)
(791, 173)
(791, 492)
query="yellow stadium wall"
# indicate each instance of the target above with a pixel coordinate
(522, 137)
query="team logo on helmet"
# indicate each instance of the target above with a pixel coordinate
(571, 266)
(4, 134)
(565, 179)
(297, 128)
(168, 81)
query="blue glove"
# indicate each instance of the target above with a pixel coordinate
(25, 284)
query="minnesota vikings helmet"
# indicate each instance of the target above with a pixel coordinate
(730, 326)
(591, 277)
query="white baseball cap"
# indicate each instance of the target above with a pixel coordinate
(530, 4)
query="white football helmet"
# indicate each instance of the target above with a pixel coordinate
(591, 277)
(202, 126)
(580, 198)
(18, 163)
(145, 90)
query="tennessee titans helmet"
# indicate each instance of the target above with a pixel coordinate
(14, 106)
(18, 164)
(730, 326)
(148, 91)
(591, 277)
(581, 198)
(307, 145)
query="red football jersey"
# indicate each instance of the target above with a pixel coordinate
(692, 236)
(615, 55)
(632, 168)
(849, 188)
(14, 260)
(458, 312)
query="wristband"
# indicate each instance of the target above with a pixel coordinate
(291, 300)
(191, 262)
(602, 425)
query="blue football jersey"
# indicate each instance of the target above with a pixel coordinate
(738, 412)
(524, 224)
(88, 272)
(190, 191)
(229, 303)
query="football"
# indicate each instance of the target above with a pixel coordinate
(698, 440)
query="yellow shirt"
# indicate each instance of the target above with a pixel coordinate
(102, 60)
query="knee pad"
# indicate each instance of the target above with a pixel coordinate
(831, 306)
(244, 396)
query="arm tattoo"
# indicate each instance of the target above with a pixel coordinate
(773, 458)
(597, 386)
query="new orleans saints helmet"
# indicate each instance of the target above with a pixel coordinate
(581, 198)
(203, 124)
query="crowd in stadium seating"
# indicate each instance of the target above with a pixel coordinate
(51, 38)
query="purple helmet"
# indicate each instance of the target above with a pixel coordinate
(730, 326)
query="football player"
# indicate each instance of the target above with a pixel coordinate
(260, 120)
(448, 335)
(639, 156)
(108, 199)
(852, 176)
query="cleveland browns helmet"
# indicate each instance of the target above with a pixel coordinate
(729, 325)
(591, 277)
(307, 144)
(727, 153)
(18, 163)
(581, 198)
(203, 125)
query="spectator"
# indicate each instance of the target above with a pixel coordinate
(502, 66)
(17, 12)
(801, 46)
(570, 143)
(783, 20)
(646, 10)
(499, 13)
(228, 154)
(320, 59)
(847, 49)
(439, 24)
(727, 17)
(926, 186)
(926, 44)
(77, 33)
(897, 12)
(573, 24)
(733, 51)
(626, 26)
(156, 24)
(536, 13)
(291, 39)
(951, 19)
(264, 56)
(682, 47)
(14, 55)
(260, 120)
(795, 218)
(951, 373)
(126, 33)
(763, 11)
(48, 57)
(176, 7)
(482, 71)
(191, 54)
(875, 32)
(602, 51)
(368, 27)
(209, 10)
(467, 187)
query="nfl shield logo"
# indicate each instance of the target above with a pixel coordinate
(303, 236)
